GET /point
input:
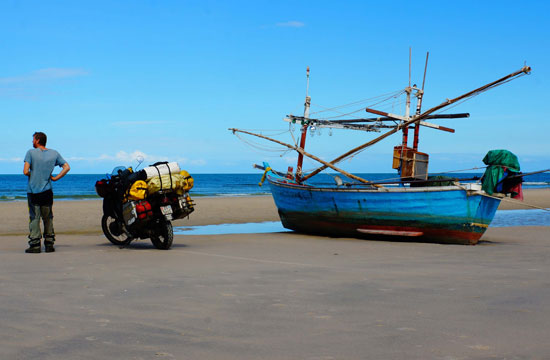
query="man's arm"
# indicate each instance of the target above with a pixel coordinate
(27, 169)
(65, 169)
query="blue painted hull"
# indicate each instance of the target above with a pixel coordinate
(445, 214)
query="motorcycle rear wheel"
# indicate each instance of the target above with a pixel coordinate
(114, 231)
(164, 235)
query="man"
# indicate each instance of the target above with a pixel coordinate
(39, 165)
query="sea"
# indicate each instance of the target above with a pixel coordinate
(82, 186)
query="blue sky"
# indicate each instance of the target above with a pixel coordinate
(108, 80)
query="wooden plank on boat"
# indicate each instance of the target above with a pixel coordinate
(391, 232)
(438, 127)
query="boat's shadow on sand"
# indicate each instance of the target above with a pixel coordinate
(395, 239)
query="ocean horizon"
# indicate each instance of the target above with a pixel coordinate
(82, 186)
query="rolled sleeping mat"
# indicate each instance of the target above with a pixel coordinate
(162, 169)
(138, 175)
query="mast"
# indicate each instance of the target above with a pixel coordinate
(303, 130)
(417, 118)
(408, 90)
(420, 94)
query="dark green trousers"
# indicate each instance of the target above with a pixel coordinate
(37, 212)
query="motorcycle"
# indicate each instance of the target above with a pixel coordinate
(125, 219)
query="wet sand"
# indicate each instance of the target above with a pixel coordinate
(270, 296)
(84, 216)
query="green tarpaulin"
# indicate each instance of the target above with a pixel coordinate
(497, 160)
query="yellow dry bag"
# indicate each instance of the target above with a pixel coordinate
(138, 191)
(188, 180)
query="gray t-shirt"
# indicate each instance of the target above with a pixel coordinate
(42, 164)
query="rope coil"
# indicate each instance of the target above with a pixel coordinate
(264, 176)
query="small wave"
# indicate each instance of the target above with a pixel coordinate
(228, 194)
(12, 198)
(76, 197)
(56, 197)
(243, 194)
(240, 185)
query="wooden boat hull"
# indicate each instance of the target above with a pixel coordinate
(444, 214)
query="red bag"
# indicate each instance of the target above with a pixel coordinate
(143, 209)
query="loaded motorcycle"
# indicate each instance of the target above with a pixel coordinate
(136, 209)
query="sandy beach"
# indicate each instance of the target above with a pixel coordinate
(83, 216)
(270, 296)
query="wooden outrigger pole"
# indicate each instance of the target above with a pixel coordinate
(417, 118)
(304, 153)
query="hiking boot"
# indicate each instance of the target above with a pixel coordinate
(33, 250)
(49, 248)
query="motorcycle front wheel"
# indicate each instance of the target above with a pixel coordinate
(163, 236)
(114, 231)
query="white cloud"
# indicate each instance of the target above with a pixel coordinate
(13, 159)
(34, 85)
(145, 122)
(124, 158)
(295, 24)
(44, 75)
(77, 158)
(198, 162)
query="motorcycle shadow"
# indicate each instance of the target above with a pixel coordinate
(139, 246)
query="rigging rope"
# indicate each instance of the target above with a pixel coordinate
(517, 202)
(258, 146)
(446, 108)
(262, 149)
(292, 134)
(386, 97)
(476, 94)
(362, 109)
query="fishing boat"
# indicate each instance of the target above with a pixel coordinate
(417, 207)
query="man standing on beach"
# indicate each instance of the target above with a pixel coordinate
(39, 165)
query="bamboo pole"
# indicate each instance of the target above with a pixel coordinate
(301, 151)
(385, 118)
(527, 174)
(415, 119)
(304, 130)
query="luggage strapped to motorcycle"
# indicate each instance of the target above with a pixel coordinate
(155, 165)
